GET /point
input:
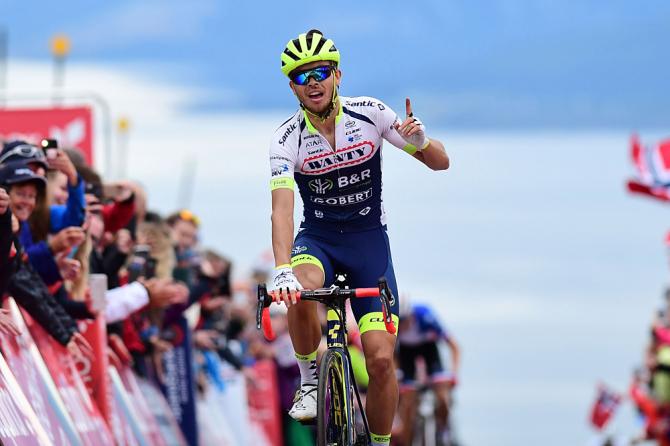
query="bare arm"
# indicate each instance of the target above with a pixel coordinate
(455, 354)
(434, 156)
(282, 225)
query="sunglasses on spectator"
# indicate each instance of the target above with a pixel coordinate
(318, 73)
(26, 151)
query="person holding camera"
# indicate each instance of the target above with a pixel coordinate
(48, 253)
(26, 191)
(66, 210)
(6, 324)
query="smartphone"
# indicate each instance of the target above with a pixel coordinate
(138, 261)
(150, 268)
(73, 252)
(49, 146)
(49, 143)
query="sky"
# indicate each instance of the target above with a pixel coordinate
(498, 64)
(544, 268)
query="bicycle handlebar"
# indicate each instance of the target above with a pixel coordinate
(266, 298)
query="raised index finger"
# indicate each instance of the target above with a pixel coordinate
(408, 108)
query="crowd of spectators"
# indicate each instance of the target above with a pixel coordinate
(650, 386)
(60, 223)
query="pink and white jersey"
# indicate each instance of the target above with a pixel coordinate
(341, 187)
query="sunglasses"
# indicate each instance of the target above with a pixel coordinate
(25, 151)
(318, 73)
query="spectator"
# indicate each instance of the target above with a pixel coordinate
(67, 206)
(184, 230)
(57, 187)
(5, 239)
(6, 324)
(26, 191)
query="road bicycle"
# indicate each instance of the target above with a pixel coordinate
(336, 410)
(425, 429)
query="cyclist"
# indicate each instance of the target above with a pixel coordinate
(331, 147)
(418, 338)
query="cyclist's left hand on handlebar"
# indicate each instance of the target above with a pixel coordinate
(412, 129)
(286, 284)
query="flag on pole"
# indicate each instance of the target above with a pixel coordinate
(652, 165)
(606, 403)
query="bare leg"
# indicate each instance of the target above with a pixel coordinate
(441, 390)
(407, 410)
(382, 399)
(303, 321)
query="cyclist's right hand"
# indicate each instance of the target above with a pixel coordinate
(285, 284)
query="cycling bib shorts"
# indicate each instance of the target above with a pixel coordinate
(363, 256)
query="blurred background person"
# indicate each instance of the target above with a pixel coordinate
(420, 335)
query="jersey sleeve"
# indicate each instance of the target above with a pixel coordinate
(282, 164)
(429, 322)
(386, 120)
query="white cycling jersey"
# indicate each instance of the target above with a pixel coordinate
(341, 187)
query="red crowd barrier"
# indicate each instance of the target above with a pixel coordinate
(87, 419)
(19, 424)
(264, 401)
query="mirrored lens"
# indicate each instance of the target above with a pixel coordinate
(318, 73)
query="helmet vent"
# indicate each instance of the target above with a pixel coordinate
(319, 45)
(297, 44)
(291, 54)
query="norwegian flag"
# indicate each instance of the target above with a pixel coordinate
(604, 407)
(653, 169)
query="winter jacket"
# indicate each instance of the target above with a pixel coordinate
(41, 257)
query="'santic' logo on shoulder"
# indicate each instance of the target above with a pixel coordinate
(347, 156)
(286, 134)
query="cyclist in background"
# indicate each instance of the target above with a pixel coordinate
(331, 148)
(419, 337)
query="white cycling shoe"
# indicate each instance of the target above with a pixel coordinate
(304, 403)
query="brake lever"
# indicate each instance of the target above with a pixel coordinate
(384, 293)
(389, 293)
(263, 320)
(262, 295)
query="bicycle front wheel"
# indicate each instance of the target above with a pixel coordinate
(334, 419)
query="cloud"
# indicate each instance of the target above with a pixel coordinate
(159, 129)
(135, 23)
(127, 90)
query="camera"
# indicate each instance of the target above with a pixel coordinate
(141, 263)
(49, 147)
(49, 143)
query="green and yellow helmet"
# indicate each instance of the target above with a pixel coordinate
(308, 47)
